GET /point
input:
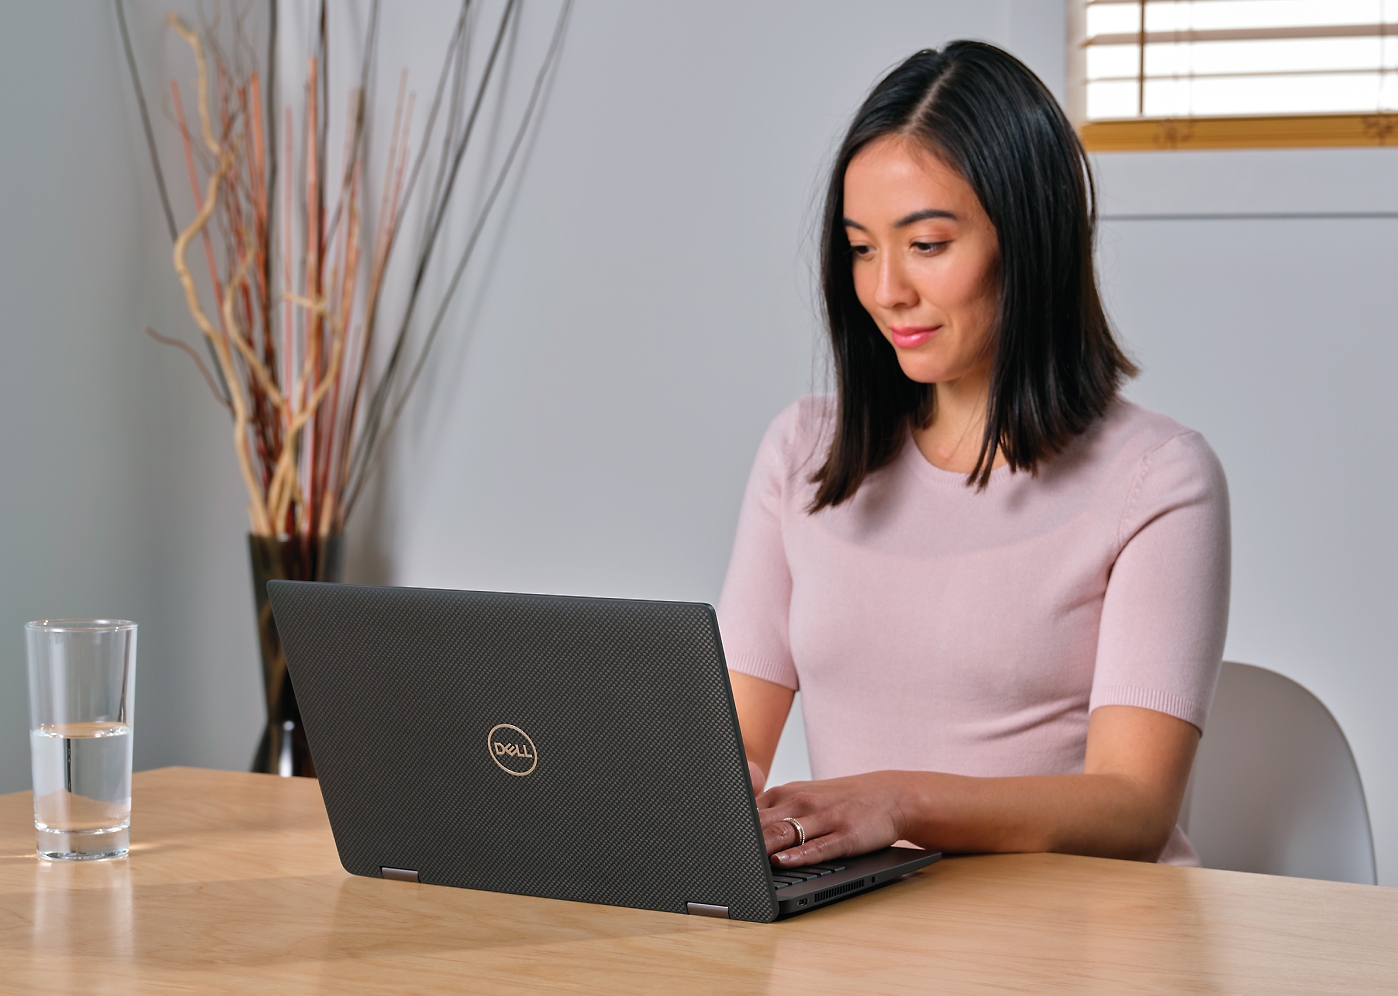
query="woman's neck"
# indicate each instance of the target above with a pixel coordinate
(952, 440)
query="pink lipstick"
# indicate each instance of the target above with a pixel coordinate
(912, 336)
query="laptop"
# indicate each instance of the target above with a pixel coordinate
(570, 748)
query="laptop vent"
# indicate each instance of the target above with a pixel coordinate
(837, 890)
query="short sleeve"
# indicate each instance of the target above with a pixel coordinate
(1165, 612)
(754, 607)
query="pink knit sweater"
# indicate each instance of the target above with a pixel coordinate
(932, 627)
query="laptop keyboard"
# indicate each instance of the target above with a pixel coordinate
(788, 877)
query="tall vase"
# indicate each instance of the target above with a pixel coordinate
(283, 749)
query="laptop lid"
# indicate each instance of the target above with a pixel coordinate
(571, 748)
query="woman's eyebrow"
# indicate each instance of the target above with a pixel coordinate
(906, 220)
(923, 216)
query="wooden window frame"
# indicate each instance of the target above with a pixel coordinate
(1289, 131)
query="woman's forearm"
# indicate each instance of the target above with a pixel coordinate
(762, 710)
(1105, 815)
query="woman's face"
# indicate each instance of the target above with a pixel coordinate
(925, 258)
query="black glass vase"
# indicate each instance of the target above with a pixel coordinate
(283, 750)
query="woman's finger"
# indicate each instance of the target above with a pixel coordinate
(779, 834)
(782, 794)
(826, 848)
(772, 807)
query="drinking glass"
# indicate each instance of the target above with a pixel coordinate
(82, 682)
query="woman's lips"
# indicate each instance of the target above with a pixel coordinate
(912, 336)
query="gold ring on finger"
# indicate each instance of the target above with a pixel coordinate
(800, 830)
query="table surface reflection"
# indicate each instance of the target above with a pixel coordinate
(233, 885)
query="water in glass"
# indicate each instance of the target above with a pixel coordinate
(82, 789)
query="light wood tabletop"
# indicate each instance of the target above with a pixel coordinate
(233, 885)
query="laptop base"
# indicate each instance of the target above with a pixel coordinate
(868, 871)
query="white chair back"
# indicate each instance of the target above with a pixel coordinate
(1275, 788)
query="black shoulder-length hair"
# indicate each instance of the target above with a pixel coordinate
(1056, 365)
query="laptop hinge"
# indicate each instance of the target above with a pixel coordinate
(705, 909)
(399, 874)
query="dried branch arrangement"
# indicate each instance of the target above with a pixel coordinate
(296, 269)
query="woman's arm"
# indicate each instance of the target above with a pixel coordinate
(762, 710)
(754, 608)
(1123, 805)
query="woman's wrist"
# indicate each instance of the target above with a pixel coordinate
(919, 807)
(946, 812)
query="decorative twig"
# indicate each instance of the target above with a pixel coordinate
(150, 134)
(360, 127)
(194, 184)
(198, 362)
(284, 478)
(192, 38)
(256, 508)
(257, 505)
(376, 271)
(466, 253)
(368, 440)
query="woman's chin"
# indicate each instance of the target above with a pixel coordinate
(923, 370)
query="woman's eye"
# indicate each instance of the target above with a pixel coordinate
(860, 250)
(929, 247)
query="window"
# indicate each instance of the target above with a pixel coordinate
(1235, 73)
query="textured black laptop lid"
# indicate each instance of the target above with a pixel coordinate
(574, 748)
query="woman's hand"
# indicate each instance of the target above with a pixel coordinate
(841, 817)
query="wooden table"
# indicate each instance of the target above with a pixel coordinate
(233, 886)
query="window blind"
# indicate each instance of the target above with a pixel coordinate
(1171, 59)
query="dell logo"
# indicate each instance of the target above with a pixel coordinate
(511, 749)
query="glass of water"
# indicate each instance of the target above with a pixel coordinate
(82, 683)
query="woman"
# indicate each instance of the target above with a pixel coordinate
(1001, 589)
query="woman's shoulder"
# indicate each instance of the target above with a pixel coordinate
(1164, 459)
(808, 416)
(792, 448)
(1145, 434)
(801, 430)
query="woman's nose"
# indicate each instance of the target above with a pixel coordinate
(894, 289)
